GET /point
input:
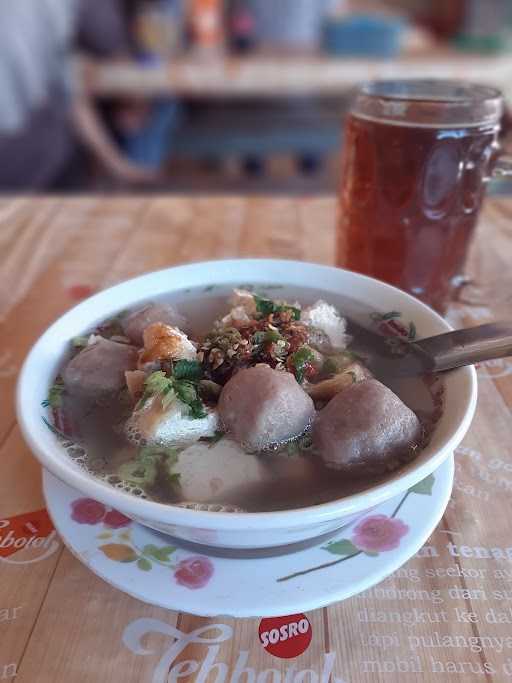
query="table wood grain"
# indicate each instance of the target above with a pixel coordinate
(61, 624)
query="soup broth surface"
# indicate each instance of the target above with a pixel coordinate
(217, 471)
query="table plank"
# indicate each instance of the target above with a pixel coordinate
(71, 251)
(79, 634)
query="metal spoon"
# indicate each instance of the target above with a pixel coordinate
(400, 358)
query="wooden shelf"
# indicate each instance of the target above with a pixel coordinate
(264, 75)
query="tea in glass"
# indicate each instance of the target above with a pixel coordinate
(417, 156)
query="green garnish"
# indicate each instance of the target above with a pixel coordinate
(55, 431)
(197, 410)
(258, 338)
(143, 470)
(300, 361)
(139, 473)
(171, 478)
(264, 306)
(267, 306)
(188, 369)
(149, 454)
(80, 342)
(158, 383)
(272, 336)
(169, 388)
(261, 337)
(54, 399)
(185, 391)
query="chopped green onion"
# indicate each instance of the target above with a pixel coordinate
(188, 369)
(54, 399)
(258, 338)
(264, 306)
(267, 306)
(197, 410)
(169, 388)
(300, 361)
(149, 454)
(185, 391)
(168, 397)
(80, 342)
(158, 382)
(137, 472)
(272, 336)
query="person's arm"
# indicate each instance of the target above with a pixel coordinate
(94, 135)
(102, 30)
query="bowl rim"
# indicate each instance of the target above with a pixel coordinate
(165, 513)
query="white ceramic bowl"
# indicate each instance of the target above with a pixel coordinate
(355, 294)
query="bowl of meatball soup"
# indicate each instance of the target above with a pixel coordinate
(232, 403)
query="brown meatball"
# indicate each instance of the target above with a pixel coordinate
(366, 426)
(97, 372)
(261, 407)
(135, 323)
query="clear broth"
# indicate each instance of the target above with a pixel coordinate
(283, 481)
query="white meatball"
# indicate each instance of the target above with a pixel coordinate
(219, 474)
(135, 323)
(366, 426)
(260, 407)
(224, 475)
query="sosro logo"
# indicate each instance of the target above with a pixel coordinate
(32, 531)
(167, 671)
(286, 637)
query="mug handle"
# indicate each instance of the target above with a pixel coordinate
(503, 167)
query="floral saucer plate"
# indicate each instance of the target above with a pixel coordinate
(162, 571)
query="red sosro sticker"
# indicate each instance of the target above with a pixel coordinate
(30, 530)
(285, 637)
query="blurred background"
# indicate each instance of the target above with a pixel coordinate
(238, 96)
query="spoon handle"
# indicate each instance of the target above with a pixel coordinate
(464, 347)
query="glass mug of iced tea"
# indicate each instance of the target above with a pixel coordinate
(417, 156)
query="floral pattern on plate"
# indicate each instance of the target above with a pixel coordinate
(207, 584)
(372, 534)
(192, 572)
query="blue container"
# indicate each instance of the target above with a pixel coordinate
(362, 35)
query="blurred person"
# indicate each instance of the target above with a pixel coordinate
(45, 120)
(145, 129)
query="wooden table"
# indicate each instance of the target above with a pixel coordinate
(277, 76)
(61, 624)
